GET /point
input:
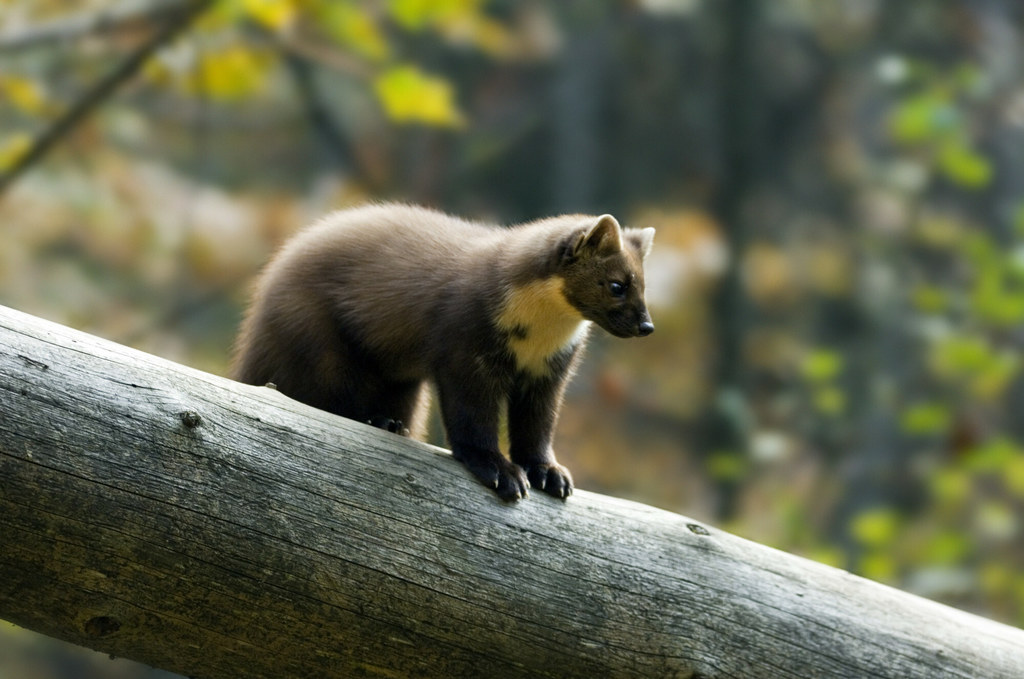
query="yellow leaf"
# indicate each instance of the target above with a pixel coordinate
(492, 37)
(459, 22)
(276, 14)
(417, 14)
(24, 93)
(221, 14)
(231, 73)
(13, 149)
(770, 275)
(410, 96)
(356, 28)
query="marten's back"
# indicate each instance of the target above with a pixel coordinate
(379, 275)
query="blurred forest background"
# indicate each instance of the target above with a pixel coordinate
(838, 188)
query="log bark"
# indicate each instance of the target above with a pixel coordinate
(156, 512)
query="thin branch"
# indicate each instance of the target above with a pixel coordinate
(76, 26)
(315, 51)
(102, 90)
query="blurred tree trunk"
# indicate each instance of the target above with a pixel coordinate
(740, 138)
(1001, 54)
(579, 92)
(874, 462)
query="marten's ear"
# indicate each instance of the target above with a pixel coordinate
(641, 239)
(603, 238)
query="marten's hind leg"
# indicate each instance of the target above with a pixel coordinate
(401, 408)
(337, 377)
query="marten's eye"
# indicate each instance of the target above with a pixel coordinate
(617, 289)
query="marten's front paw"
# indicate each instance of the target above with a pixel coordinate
(551, 477)
(504, 478)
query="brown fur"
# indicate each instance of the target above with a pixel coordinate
(360, 309)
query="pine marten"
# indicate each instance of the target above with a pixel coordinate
(359, 310)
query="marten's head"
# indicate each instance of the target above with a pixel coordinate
(602, 266)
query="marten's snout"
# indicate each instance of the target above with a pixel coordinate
(644, 325)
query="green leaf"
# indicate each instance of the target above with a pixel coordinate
(951, 487)
(967, 77)
(961, 355)
(926, 418)
(878, 566)
(830, 400)
(1018, 221)
(821, 365)
(981, 250)
(1013, 475)
(992, 381)
(994, 298)
(832, 556)
(924, 117)
(929, 299)
(875, 527)
(726, 465)
(993, 456)
(964, 167)
(947, 548)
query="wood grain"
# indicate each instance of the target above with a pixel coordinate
(159, 513)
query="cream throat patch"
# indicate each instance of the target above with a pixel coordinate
(541, 323)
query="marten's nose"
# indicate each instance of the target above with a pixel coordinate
(646, 328)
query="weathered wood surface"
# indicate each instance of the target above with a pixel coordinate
(163, 514)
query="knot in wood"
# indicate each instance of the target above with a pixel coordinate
(190, 418)
(102, 625)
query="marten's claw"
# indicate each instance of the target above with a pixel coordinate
(512, 486)
(552, 478)
(506, 479)
(510, 482)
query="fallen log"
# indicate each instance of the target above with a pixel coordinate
(159, 513)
